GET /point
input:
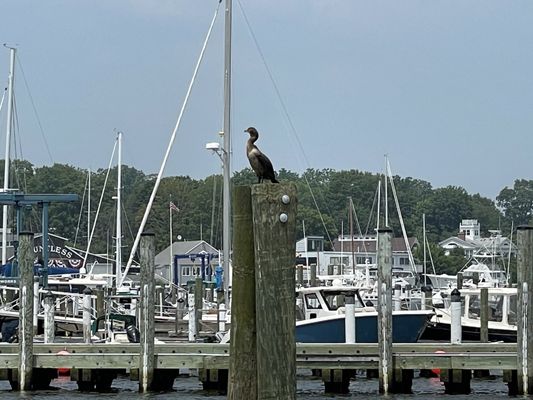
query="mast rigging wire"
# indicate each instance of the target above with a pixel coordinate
(99, 205)
(289, 120)
(41, 129)
(169, 147)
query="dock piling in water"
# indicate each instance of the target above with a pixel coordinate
(243, 344)
(524, 238)
(25, 258)
(384, 258)
(147, 311)
(274, 223)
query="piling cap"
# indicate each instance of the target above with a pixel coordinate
(87, 291)
(426, 289)
(455, 295)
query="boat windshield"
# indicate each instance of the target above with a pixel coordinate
(334, 300)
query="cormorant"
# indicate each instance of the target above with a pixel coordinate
(259, 161)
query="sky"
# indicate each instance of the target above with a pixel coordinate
(445, 88)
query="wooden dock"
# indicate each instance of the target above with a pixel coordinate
(467, 356)
(82, 359)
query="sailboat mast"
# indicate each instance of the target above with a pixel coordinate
(385, 185)
(226, 235)
(352, 247)
(118, 242)
(88, 209)
(11, 82)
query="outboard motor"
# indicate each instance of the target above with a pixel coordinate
(133, 334)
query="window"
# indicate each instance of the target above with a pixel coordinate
(404, 260)
(185, 271)
(363, 260)
(312, 301)
(339, 260)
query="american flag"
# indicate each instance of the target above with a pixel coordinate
(173, 206)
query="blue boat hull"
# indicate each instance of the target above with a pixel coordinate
(406, 328)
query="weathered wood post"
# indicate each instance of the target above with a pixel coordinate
(100, 302)
(25, 253)
(300, 274)
(459, 280)
(87, 309)
(191, 312)
(147, 312)
(524, 238)
(384, 258)
(312, 275)
(427, 298)
(35, 304)
(49, 317)
(484, 326)
(397, 297)
(243, 343)
(274, 222)
(484, 316)
(198, 302)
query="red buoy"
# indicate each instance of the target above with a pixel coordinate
(436, 371)
(63, 371)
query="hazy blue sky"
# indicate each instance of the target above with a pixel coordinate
(444, 87)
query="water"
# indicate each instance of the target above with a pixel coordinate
(190, 388)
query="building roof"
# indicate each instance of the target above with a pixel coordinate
(183, 247)
(455, 241)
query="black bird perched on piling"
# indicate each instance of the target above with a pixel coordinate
(259, 161)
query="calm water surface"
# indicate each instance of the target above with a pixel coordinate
(189, 388)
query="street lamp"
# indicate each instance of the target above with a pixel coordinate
(224, 156)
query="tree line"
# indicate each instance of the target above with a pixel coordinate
(322, 195)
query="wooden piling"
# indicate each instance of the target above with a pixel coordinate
(147, 301)
(35, 304)
(49, 317)
(274, 223)
(87, 308)
(25, 258)
(100, 302)
(483, 327)
(198, 302)
(427, 297)
(300, 274)
(459, 280)
(384, 258)
(524, 314)
(312, 275)
(484, 316)
(243, 345)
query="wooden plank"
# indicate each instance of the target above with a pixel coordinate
(83, 361)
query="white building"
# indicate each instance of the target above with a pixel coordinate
(310, 248)
(469, 239)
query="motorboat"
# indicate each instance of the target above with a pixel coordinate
(321, 316)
